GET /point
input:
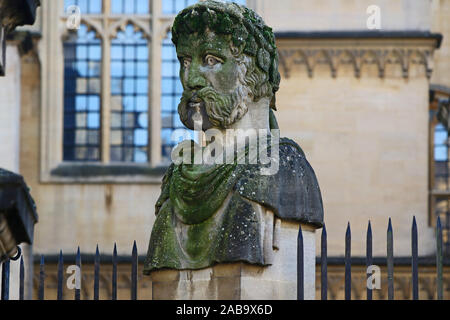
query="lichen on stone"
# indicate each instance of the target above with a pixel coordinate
(244, 26)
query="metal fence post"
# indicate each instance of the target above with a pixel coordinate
(369, 257)
(60, 276)
(114, 274)
(21, 279)
(134, 267)
(415, 261)
(300, 266)
(41, 279)
(324, 265)
(348, 264)
(439, 262)
(78, 281)
(390, 261)
(5, 280)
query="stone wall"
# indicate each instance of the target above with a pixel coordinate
(327, 15)
(441, 23)
(10, 111)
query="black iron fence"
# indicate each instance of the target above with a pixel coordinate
(369, 262)
(300, 268)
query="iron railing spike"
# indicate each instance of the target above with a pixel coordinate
(300, 265)
(390, 260)
(415, 261)
(348, 263)
(369, 257)
(324, 265)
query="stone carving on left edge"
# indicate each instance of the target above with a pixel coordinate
(222, 201)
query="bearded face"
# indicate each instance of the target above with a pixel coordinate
(213, 77)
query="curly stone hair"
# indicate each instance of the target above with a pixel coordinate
(247, 31)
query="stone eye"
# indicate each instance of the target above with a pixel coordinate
(212, 61)
(186, 62)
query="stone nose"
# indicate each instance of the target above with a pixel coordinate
(196, 79)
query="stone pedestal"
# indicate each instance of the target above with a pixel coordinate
(241, 281)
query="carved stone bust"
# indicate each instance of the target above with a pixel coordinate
(211, 213)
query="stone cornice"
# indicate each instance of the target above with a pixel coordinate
(336, 49)
(345, 35)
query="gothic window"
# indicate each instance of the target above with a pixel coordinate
(129, 96)
(110, 88)
(439, 170)
(106, 86)
(82, 65)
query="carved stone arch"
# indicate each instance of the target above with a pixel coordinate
(166, 27)
(91, 25)
(307, 58)
(403, 58)
(284, 55)
(425, 57)
(138, 25)
(331, 58)
(289, 57)
(378, 57)
(428, 286)
(84, 291)
(356, 58)
(105, 284)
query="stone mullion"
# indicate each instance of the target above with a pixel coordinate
(155, 84)
(106, 85)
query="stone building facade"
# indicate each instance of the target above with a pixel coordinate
(357, 100)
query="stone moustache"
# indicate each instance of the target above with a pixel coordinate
(213, 213)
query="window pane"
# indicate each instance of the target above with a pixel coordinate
(85, 6)
(142, 6)
(142, 53)
(117, 6)
(130, 6)
(129, 89)
(142, 103)
(175, 6)
(82, 55)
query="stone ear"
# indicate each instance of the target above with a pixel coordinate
(236, 50)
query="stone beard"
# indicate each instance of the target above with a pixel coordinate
(218, 110)
(219, 213)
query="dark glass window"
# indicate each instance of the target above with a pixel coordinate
(86, 6)
(82, 68)
(175, 6)
(129, 96)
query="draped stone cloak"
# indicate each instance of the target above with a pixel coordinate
(206, 214)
